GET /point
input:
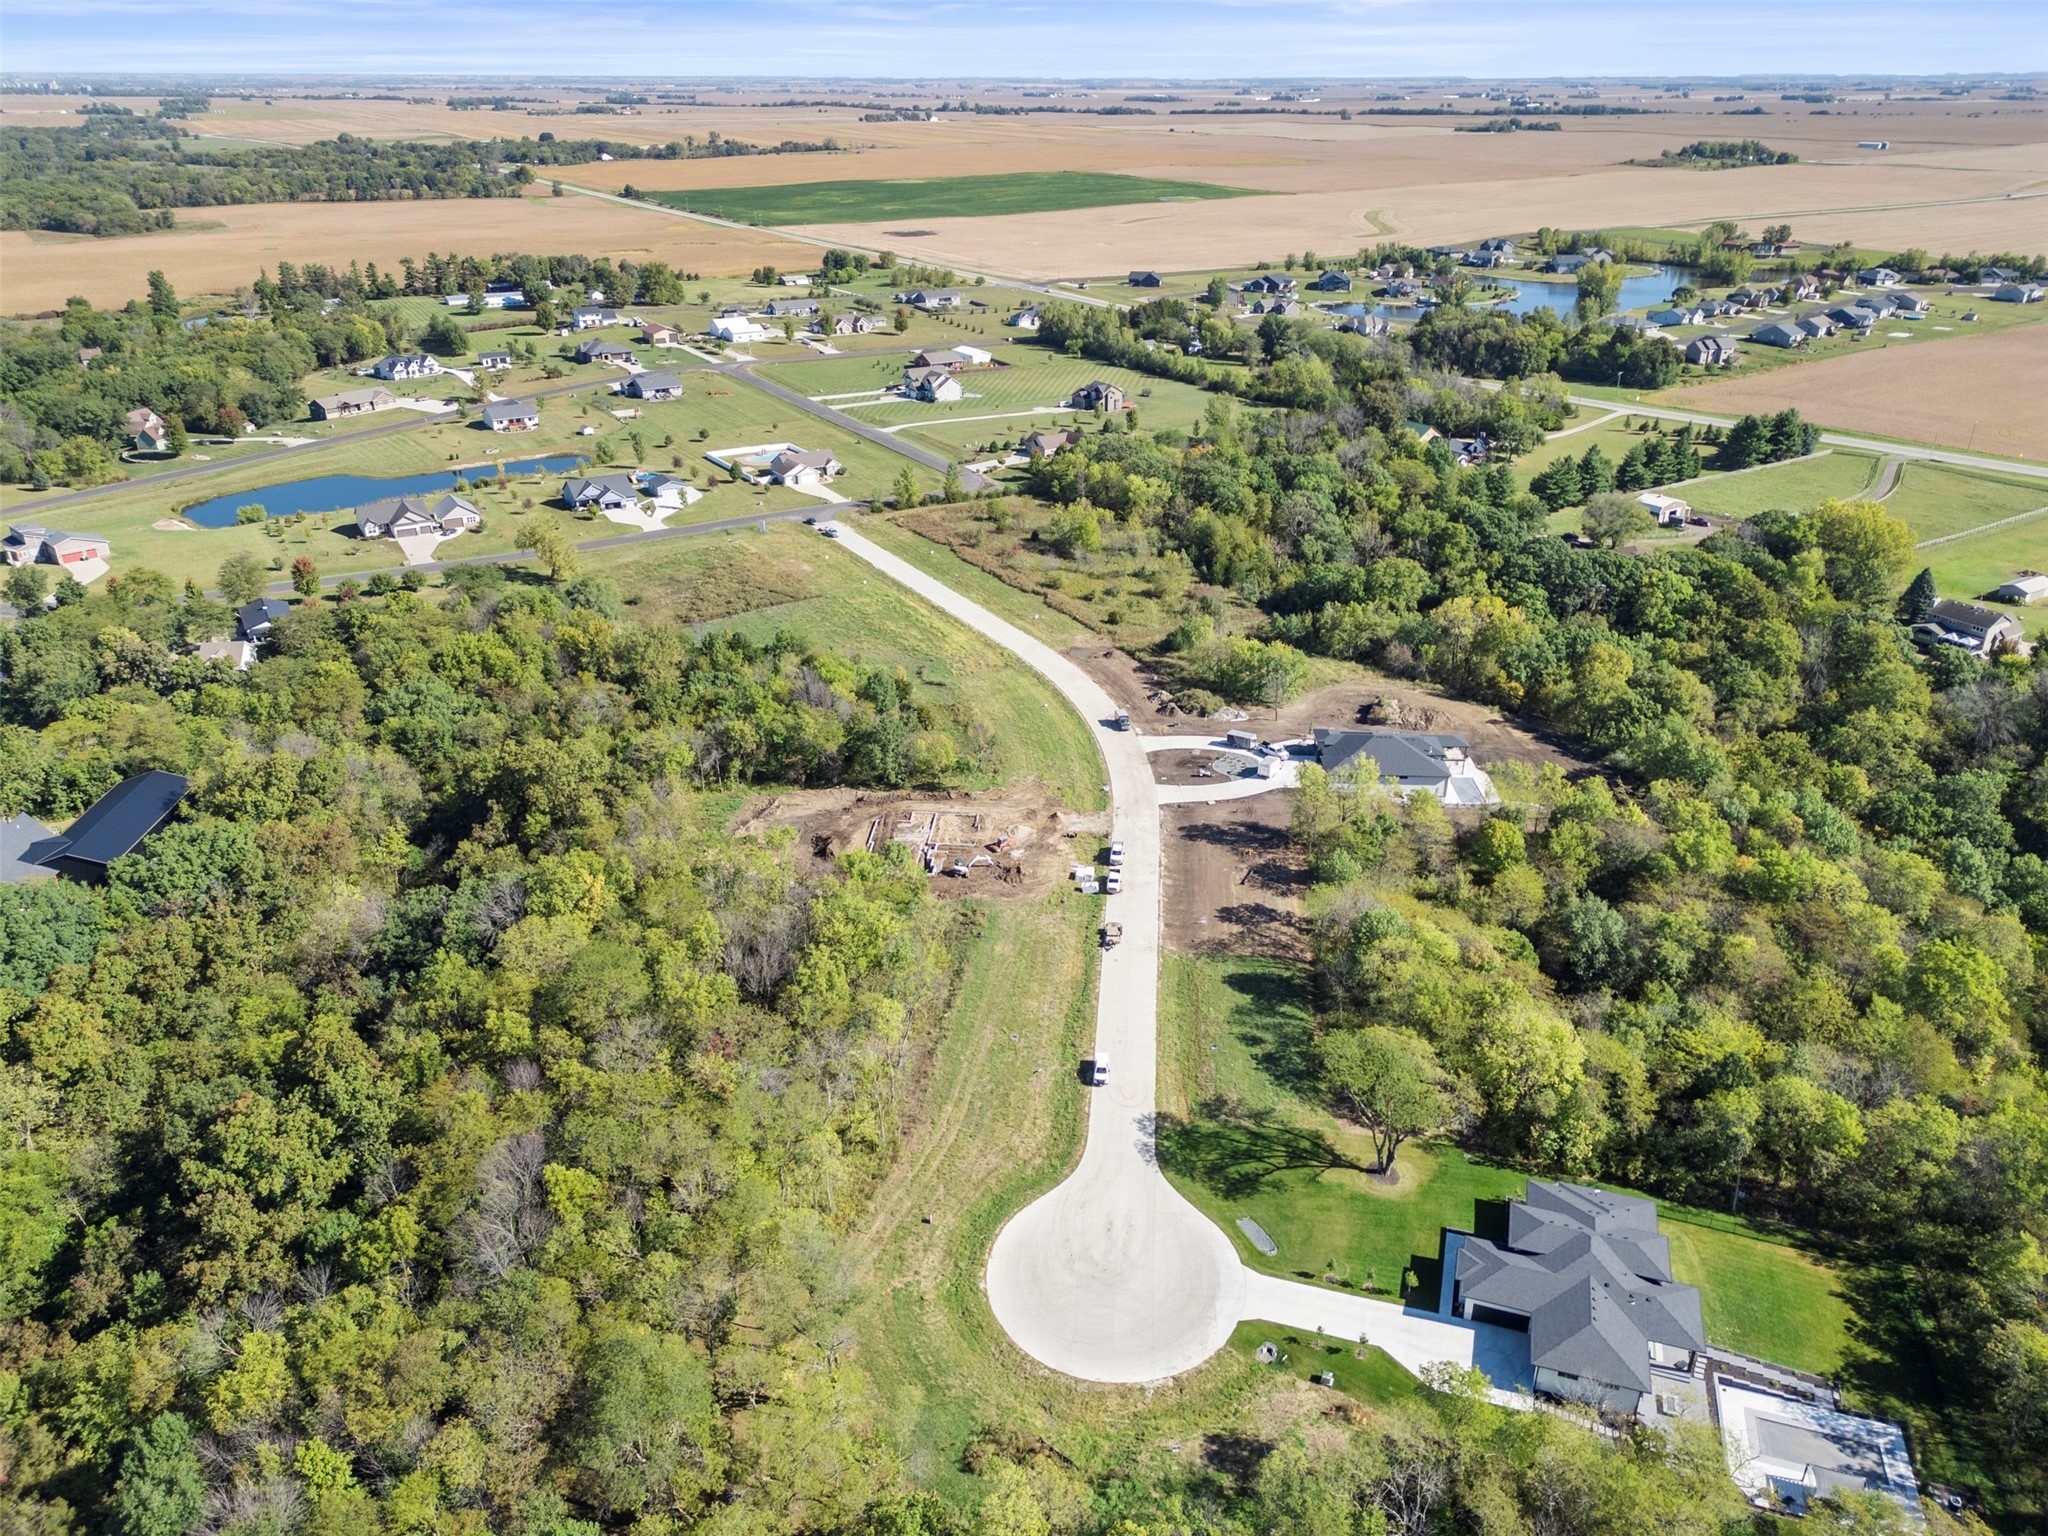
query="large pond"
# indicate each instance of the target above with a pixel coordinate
(330, 493)
(1526, 298)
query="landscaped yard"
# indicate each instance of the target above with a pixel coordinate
(1240, 1137)
(938, 197)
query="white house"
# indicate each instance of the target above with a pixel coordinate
(933, 385)
(31, 544)
(793, 466)
(403, 517)
(1024, 319)
(511, 415)
(1408, 762)
(406, 365)
(588, 317)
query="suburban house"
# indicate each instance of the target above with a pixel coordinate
(1973, 626)
(2018, 293)
(795, 279)
(735, 328)
(1851, 318)
(353, 402)
(856, 324)
(1446, 250)
(1587, 1275)
(1267, 282)
(1753, 298)
(33, 544)
(1410, 761)
(1908, 303)
(1279, 304)
(254, 621)
(1570, 263)
(1366, 325)
(793, 466)
(115, 824)
(1025, 319)
(933, 298)
(1046, 442)
(1816, 324)
(657, 334)
(1333, 281)
(1718, 309)
(1997, 275)
(933, 385)
(588, 317)
(1878, 277)
(670, 493)
(939, 357)
(608, 493)
(405, 517)
(406, 365)
(1498, 246)
(603, 352)
(1683, 314)
(1803, 287)
(1488, 259)
(239, 654)
(1100, 396)
(649, 385)
(1711, 351)
(1882, 305)
(784, 309)
(147, 431)
(2021, 590)
(511, 415)
(494, 362)
(1778, 334)
(1144, 280)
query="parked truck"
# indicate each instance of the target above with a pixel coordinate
(1112, 935)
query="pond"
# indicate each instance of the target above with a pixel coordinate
(1527, 297)
(330, 493)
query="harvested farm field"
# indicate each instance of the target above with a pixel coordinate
(1982, 393)
(224, 248)
(938, 196)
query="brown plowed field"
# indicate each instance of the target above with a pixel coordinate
(1983, 392)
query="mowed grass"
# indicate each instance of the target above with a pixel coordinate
(1234, 1080)
(1935, 500)
(1369, 1374)
(830, 598)
(1796, 486)
(1969, 567)
(938, 197)
(1021, 608)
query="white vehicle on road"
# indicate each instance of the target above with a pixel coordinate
(1098, 1070)
(1116, 855)
(1114, 883)
(830, 530)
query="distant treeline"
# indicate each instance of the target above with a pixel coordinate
(117, 173)
(1716, 154)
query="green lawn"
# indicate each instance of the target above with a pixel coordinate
(1368, 1374)
(1969, 567)
(829, 597)
(1233, 1039)
(938, 197)
(1938, 499)
(1797, 486)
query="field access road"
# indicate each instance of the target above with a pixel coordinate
(1114, 1276)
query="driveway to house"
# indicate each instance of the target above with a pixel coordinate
(860, 429)
(1114, 1276)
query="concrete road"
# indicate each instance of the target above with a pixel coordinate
(1113, 1276)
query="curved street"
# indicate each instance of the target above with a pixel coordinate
(1114, 1276)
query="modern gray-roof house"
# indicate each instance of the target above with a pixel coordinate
(404, 517)
(1100, 395)
(1588, 1275)
(406, 365)
(1973, 626)
(511, 415)
(1778, 334)
(795, 466)
(603, 352)
(1333, 281)
(115, 824)
(254, 621)
(1711, 351)
(650, 385)
(1269, 282)
(801, 309)
(605, 492)
(1144, 280)
(1409, 761)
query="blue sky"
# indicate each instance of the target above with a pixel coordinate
(802, 40)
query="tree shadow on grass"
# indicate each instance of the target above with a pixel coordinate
(1233, 1151)
(1274, 1023)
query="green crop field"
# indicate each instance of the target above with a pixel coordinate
(938, 197)
(1233, 1032)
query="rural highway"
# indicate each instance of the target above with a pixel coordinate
(1114, 1276)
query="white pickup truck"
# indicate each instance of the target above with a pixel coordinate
(1098, 1070)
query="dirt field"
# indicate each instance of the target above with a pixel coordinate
(1980, 392)
(1031, 841)
(1234, 880)
(227, 247)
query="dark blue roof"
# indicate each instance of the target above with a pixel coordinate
(120, 819)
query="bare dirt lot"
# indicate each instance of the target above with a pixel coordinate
(224, 248)
(1983, 391)
(1234, 879)
(1015, 846)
